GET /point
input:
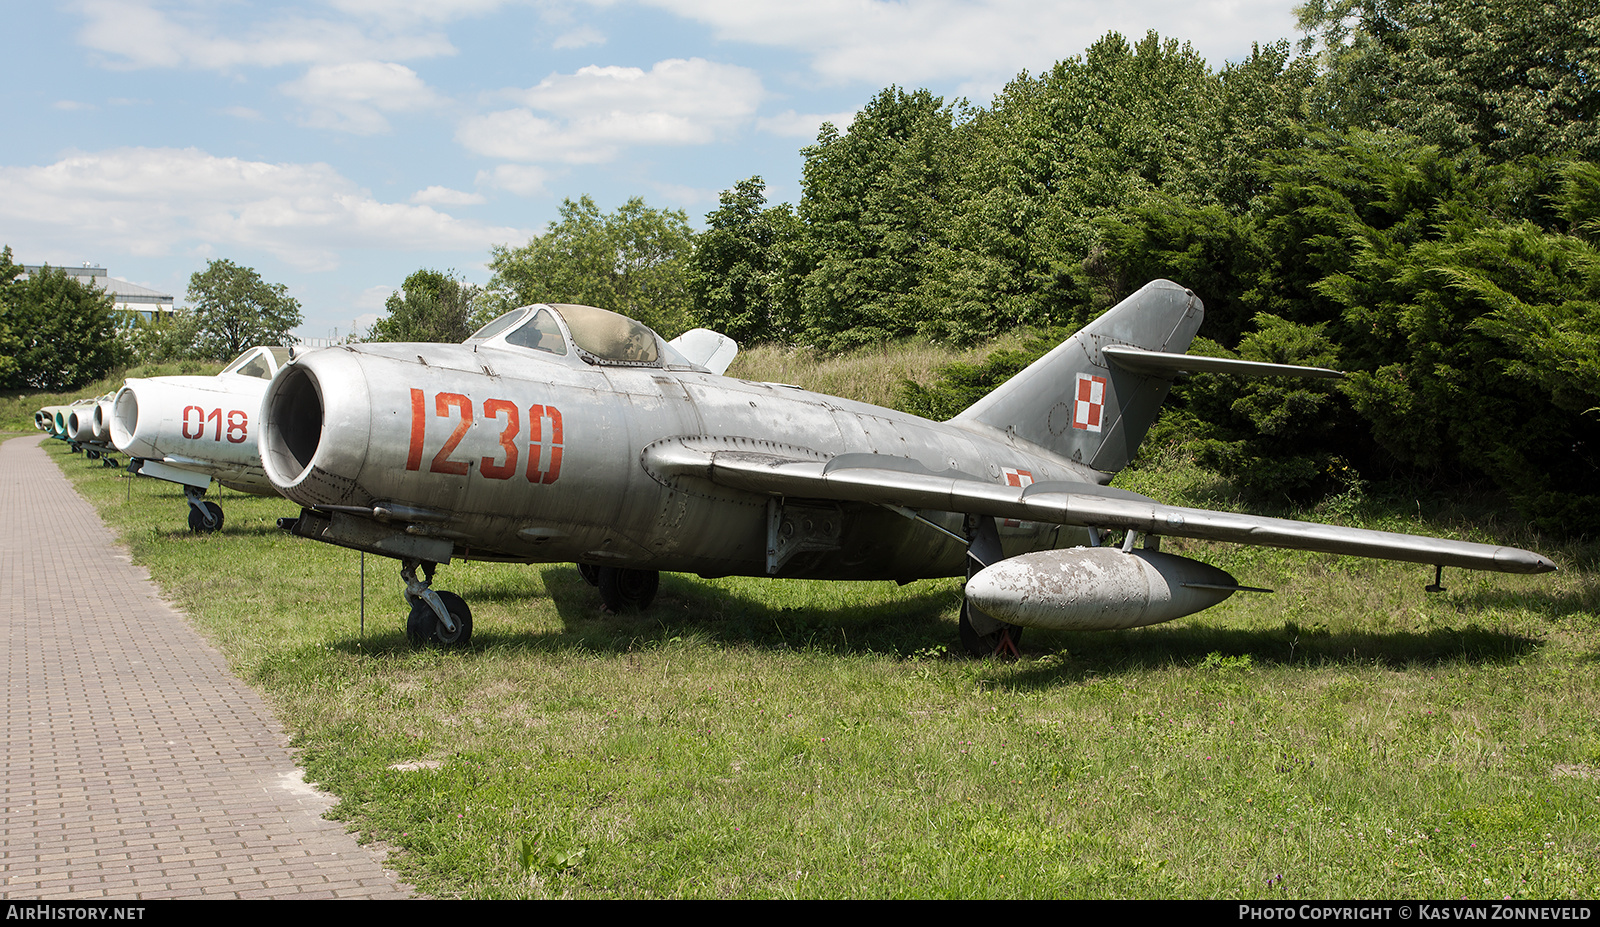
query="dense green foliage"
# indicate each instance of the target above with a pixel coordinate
(55, 333)
(1115, 131)
(631, 261)
(431, 307)
(1413, 199)
(872, 205)
(744, 277)
(10, 339)
(1454, 289)
(169, 337)
(235, 309)
(1508, 78)
(1416, 203)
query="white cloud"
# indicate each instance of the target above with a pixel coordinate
(521, 179)
(596, 111)
(404, 12)
(579, 38)
(915, 41)
(135, 34)
(804, 125)
(372, 302)
(352, 97)
(71, 106)
(683, 196)
(444, 196)
(157, 201)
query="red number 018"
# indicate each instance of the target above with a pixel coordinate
(238, 424)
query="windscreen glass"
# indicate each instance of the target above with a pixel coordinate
(540, 333)
(252, 363)
(497, 326)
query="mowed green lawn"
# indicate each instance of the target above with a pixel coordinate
(1348, 736)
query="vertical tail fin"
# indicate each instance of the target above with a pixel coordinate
(1074, 403)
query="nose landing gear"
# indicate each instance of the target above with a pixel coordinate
(204, 517)
(436, 617)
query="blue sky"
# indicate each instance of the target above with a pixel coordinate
(338, 145)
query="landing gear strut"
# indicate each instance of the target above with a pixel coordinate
(982, 635)
(204, 517)
(436, 617)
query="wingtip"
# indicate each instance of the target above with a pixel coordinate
(1514, 560)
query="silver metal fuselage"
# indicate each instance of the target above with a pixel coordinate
(513, 454)
(204, 425)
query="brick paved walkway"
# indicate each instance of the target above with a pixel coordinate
(136, 766)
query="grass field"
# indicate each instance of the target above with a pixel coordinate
(1348, 736)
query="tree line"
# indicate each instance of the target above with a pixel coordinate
(58, 333)
(1411, 194)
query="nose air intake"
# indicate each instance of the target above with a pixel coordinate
(294, 424)
(125, 417)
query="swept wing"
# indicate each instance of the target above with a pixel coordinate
(900, 482)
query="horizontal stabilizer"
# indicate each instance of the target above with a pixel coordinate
(1162, 363)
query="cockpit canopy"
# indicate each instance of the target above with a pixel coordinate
(260, 363)
(598, 336)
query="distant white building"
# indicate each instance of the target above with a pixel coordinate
(146, 303)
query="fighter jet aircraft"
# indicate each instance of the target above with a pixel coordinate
(88, 429)
(567, 433)
(81, 426)
(187, 430)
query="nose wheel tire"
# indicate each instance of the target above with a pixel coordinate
(628, 590)
(208, 522)
(423, 627)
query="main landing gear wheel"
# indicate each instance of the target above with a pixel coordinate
(208, 522)
(630, 590)
(590, 574)
(1000, 643)
(423, 627)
